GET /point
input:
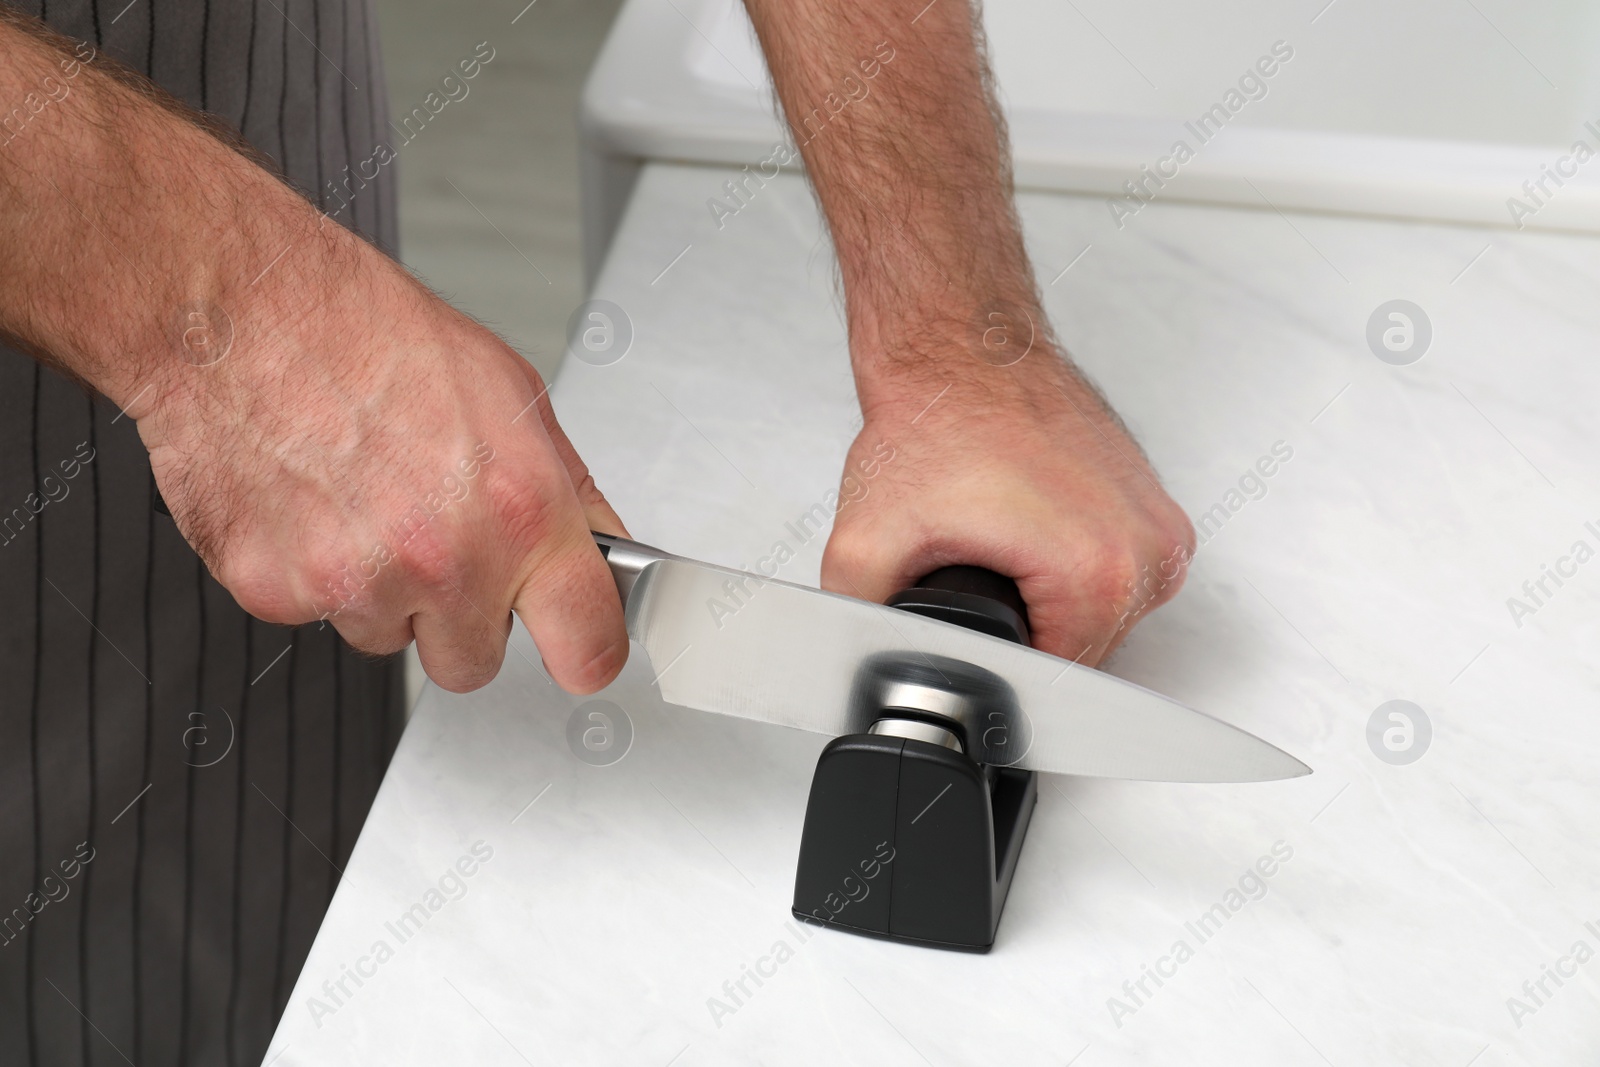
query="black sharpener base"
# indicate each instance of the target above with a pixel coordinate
(911, 841)
(914, 840)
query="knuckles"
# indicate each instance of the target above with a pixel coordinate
(411, 560)
(1090, 581)
(522, 507)
(1125, 574)
(432, 565)
(259, 590)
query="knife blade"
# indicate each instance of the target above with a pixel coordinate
(751, 647)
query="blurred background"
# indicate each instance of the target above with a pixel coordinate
(489, 190)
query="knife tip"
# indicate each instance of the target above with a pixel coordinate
(1300, 770)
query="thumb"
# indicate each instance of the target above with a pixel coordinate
(855, 563)
(568, 601)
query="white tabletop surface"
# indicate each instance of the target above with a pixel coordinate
(1418, 898)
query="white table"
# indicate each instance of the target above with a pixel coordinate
(619, 899)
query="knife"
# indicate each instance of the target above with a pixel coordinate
(753, 647)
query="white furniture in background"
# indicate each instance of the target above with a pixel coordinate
(1434, 109)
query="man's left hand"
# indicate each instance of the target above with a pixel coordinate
(1022, 470)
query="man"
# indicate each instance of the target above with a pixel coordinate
(182, 782)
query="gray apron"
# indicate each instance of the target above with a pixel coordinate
(179, 783)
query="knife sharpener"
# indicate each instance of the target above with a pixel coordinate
(914, 825)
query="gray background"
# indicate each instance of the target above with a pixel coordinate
(510, 148)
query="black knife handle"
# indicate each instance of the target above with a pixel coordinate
(974, 597)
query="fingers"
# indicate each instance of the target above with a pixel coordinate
(523, 546)
(462, 649)
(426, 588)
(1070, 621)
(530, 552)
(1074, 627)
(454, 589)
(859, 567)
(569, 603)
(1084, 590)
(875, 566)
(376, 635)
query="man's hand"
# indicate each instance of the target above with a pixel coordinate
(1021, 470)
(336, 442)
(1019, 466)
(388, 466)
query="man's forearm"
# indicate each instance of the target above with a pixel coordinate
(913, 173)
(136, 241)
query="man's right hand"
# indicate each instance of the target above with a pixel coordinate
(379, 461)
(336, 442)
